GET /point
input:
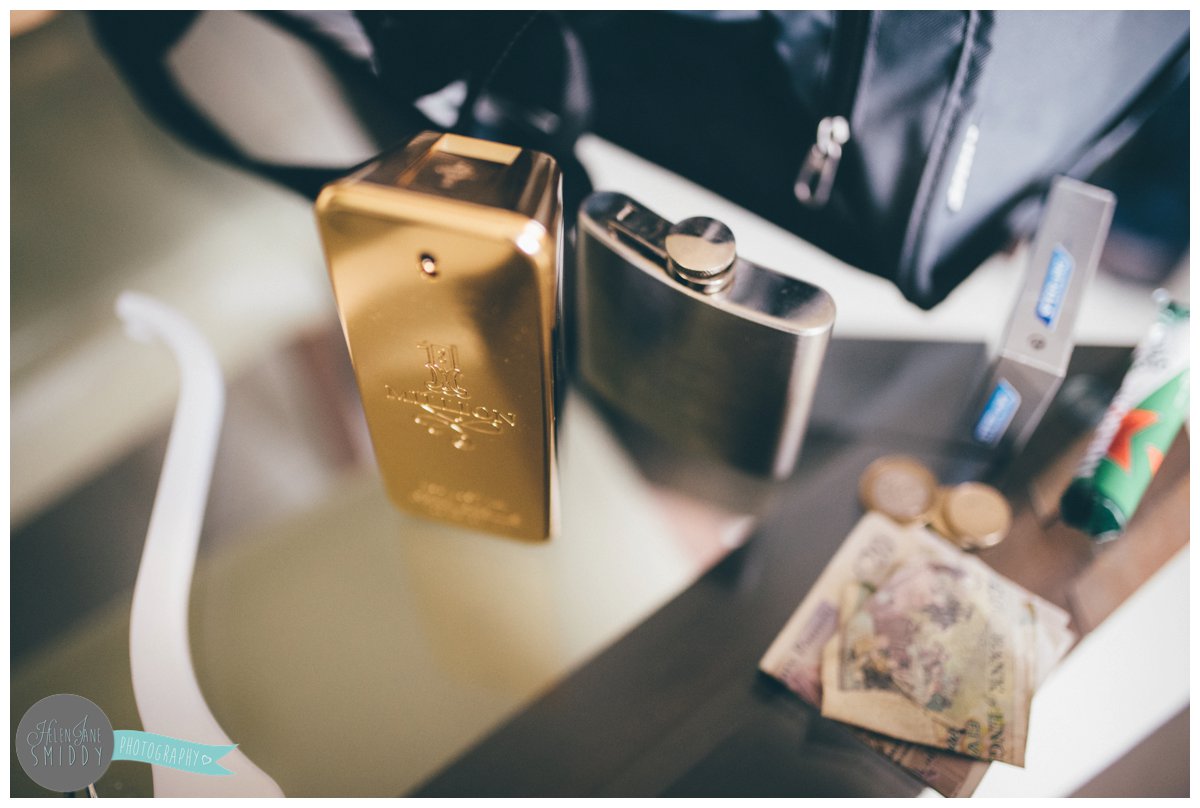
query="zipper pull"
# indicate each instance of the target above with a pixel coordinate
(815, 182)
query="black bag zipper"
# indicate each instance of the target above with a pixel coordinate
(914, 269)
(814, 184)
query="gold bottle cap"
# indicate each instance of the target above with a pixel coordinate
(899, 487)
(977, 515)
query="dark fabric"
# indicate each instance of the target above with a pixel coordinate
(733, 103)
(732, 100)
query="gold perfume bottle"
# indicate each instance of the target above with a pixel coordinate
(708, 350)
(444, 257)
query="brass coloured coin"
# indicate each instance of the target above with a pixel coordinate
(937, 516)
(977, 515)
(899, 487)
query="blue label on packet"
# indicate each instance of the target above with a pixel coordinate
(1002, 405)
(1054, 286)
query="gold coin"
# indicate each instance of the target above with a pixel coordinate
(937, 516)
(977, 514)
(899, 487)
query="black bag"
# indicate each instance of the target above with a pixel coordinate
(952, 123)
(957, 120)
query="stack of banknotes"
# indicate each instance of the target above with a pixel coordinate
(930, 652)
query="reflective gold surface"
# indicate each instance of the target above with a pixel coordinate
(444, 261)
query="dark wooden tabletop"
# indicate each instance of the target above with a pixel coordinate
(677, 706)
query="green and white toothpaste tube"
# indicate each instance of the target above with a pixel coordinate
(1136, 431)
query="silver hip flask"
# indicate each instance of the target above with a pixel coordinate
(677, 332)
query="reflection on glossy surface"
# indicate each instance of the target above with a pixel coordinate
(351, 649)
(354, 650)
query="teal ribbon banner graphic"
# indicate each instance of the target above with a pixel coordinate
(159, 750)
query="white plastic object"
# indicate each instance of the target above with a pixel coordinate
(165, 688)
